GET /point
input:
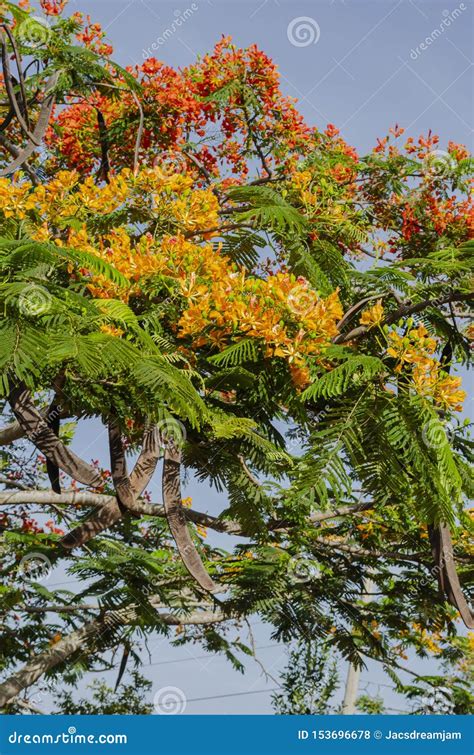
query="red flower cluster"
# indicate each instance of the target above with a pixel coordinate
(220, 88)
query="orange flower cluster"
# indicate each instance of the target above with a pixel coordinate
(153, 192)
(92, 36)
(289, 317)
(223, 303)
(429, 640)
(53, 7)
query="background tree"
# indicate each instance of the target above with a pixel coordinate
(372, 705)
(181, 259)
(309, 681)
(131, 699)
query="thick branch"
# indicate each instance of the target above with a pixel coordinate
(229, 526)
(405, 310)
(104, 147)
(138, 140)
(74, 642)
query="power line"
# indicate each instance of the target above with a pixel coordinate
(231, 694)
(201, 657)
(379, 684)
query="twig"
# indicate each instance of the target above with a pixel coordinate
(254, 655)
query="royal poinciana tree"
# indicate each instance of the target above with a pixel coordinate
(242, 298)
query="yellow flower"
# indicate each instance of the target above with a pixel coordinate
(447, 393)
(373, 315)
(416, 350)
(219, 302)
(111, 330)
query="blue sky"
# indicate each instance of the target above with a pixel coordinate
(359, 65)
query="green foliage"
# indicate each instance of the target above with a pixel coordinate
(309, 681)
(322, 480)
(373, 706)
(266, 208)
(131, 699)
(355, 370)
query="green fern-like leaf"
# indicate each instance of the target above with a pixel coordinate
(358, 369)
(239, 353)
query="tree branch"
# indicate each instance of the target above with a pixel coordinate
(66, 647)
(228, 526)
(7, 78)
(15, 152)
(138, 140)
(14, 431)
(405, 310)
